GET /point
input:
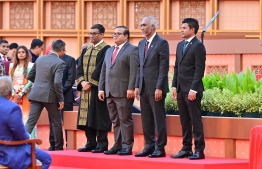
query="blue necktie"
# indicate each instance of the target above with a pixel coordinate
(184, 46)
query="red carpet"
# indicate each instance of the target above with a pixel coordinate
(71, 159)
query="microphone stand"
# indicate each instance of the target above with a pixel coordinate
(208, 24)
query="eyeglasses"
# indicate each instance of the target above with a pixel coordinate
(93, 33)
(117, 34)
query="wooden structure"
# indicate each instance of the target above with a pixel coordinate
(35, 163)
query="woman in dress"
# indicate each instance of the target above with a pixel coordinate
(18, 72)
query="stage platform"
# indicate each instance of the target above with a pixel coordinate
(71, 159)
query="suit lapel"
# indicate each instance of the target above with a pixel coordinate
(120, 52)
(150, 48)
(187, 48)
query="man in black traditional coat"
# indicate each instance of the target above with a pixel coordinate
(93, 116)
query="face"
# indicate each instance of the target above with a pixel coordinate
(4, 48)
(21, 54)
(186, 32)
(11, 53)
(147, 28)
(119, 37)
(38, 50)
(95, 36)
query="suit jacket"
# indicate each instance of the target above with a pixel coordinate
(189, 67)
(47, 74)
(120, 76)
(69, 76)
(12, 129)
(153, 68)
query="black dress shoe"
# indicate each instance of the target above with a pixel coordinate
(145, 152)
(87, 148)
(124, 151)
(157, 153)
(99, 150)
(51, 148)
(112, 151)
(197, 155)
(182, 154)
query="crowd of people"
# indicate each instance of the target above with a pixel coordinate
(109, 78)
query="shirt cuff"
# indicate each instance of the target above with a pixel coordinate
(101, 91)
(193, 91)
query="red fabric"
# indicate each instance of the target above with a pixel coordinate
(255, 155)
(258, 76)
(48, 50)
(87, 160)
(7, 63)
(114, 55)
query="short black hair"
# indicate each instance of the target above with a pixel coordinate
(100, 27)
(58, 45)
(13, 46)
(3, 41)
(35, 43)
(126, 31)
(192, 23)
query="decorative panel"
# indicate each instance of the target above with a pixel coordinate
(193, 9)
(63, 15)
(256, 68)
(105, 13)
(239, 15)
(143, 9)
(21, 15)
(217, 69)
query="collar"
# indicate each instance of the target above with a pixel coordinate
(120, 46)
(56, 54)
(151, 39)
(190, 39)
(98, 43)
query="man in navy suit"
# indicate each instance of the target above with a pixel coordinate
(12, 129)
(152, 86)
(187, 89)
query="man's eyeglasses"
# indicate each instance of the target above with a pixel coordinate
(117, 34)
(93, 33)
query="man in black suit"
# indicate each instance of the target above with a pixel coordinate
(187, 89)
(152, 85)
(68, 81)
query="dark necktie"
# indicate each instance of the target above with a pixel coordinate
(114, 55)
(184, 46)
(146, 48)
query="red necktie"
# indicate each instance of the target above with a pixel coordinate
(5, 59)
(146, 48)
(114, 55)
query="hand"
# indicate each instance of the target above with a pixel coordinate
(61, 105)
(158, 95)
(191, 96)
(86, 85)
(130, 94)
(174, 94)
(137, 93)
(101, 95)
(17, 98)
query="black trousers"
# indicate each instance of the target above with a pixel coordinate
(190, 116)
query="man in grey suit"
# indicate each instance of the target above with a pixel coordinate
(152, 86)
(117, 83)
(47, 74)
